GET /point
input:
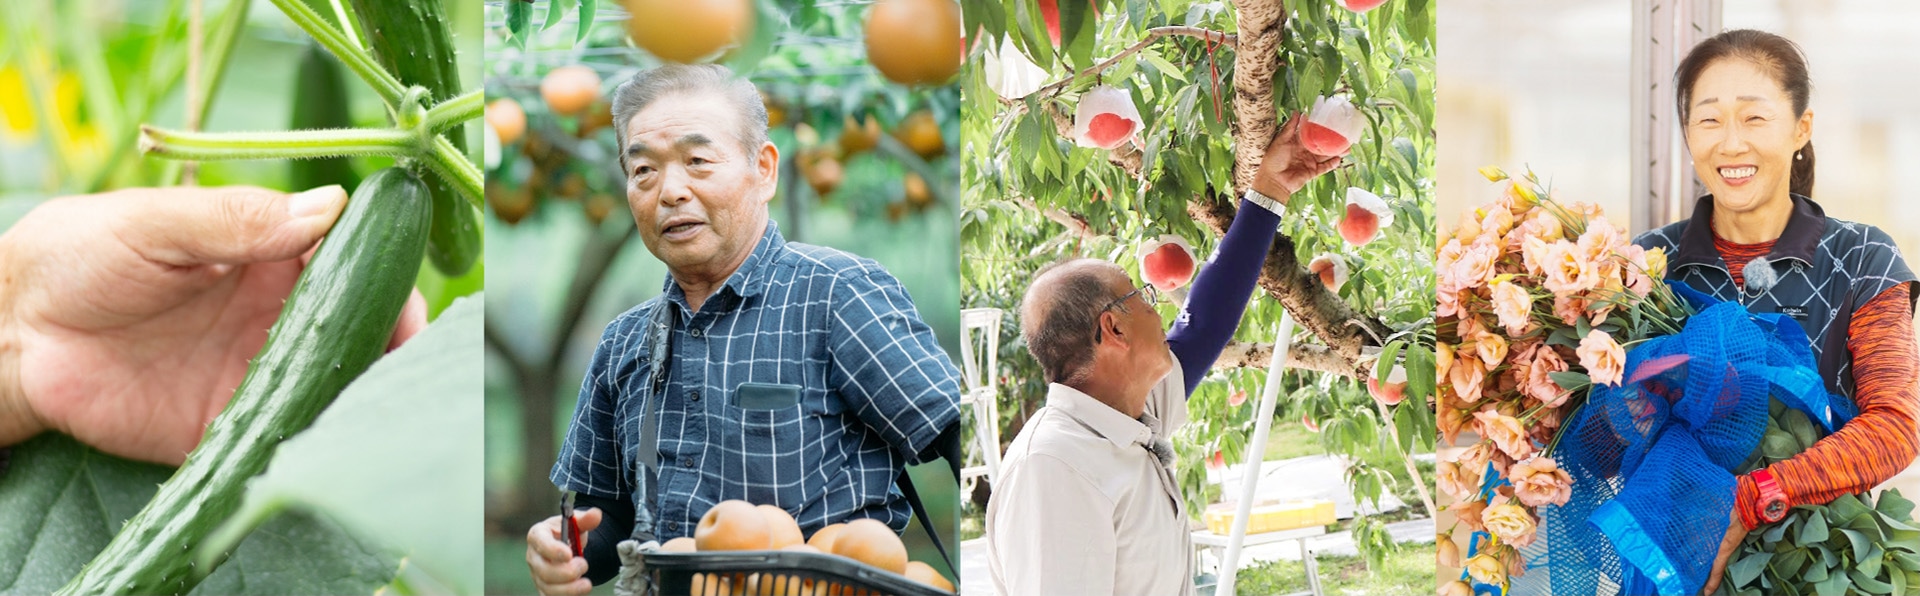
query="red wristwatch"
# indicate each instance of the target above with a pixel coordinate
(1773, 501)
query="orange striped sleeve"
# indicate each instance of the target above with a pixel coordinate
(1884, 438)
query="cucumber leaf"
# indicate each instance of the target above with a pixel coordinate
(397, 458)
(61, 502)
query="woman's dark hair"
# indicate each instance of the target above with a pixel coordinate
(1775, 54)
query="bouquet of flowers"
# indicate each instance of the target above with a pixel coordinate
(1612, 413)
(1537, 303)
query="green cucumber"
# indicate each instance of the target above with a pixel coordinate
(336, 323)
(319, 102)
(410, 39)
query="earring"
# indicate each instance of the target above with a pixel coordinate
(1797, 156)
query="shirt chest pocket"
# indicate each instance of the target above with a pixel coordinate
(775, 436)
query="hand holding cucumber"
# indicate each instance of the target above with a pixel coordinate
(127, 318)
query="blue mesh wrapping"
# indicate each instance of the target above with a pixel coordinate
(1651, 459)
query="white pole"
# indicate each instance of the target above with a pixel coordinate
(1250, 461)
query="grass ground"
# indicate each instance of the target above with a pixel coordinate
(1409, 571)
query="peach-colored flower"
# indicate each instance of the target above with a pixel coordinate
(1601, 239)
(1448, 304)
(1456, 588)
(1516, 565)
(1460, 481)
(1446, 551)
(1511, 522)
(1492, 348)
(1451, 419)
(1476, 264)
(1467, 374)
(1443, 261)
(1546, 226)
(1567, 270)
(1468, 512)
(1487, 568)
(1505, 431)
(1637, 280)
(1495, 223)
(1469, 227)
(1569, 307)
(1534, 254)
(1513, 305)
(1540, 481)
(1602, 357)
(1540, 383)
(1442, 360)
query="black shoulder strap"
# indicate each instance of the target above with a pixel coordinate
(905, 480)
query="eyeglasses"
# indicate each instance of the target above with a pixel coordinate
(1147, 292)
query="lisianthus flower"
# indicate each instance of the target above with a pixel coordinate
(1442, 360)
(1637, 279)
(1446, 552)
(1468, 512)
(1506, 433)
(1657, 263)
(1492, 348)
(1456, 588)
(1460, 481)
(1569, 307)
(1602, 357)
(1511, 522)
(1540, 481)
(1451, 419)
(1567, 269)
(1476, 263)
(1495, 224)
(1487, 568)
(1540, 383)
(1467, 374)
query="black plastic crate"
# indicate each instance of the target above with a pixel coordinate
(775, 572)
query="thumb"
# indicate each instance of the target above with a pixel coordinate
(187, 227)
(588, 518)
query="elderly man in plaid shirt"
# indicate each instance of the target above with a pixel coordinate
(779, 373)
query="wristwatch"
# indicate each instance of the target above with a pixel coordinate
(1253, 196)
(1773, 500)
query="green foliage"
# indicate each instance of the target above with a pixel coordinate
(1856, 544)
(61, 502)
(1027, 182)
(418, 401)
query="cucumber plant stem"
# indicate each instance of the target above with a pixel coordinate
(304, 144)
(349, 53)
(450, 114)
(450, 164)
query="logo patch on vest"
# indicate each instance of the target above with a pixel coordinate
(1798, 313)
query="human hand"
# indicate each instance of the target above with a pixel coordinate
(127, 319)
(1288, 165)
(556, 571)
(1735, 532)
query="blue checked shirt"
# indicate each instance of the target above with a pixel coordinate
(874, 390)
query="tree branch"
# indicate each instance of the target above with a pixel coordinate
(1346, 332)
(1301, 356)
(515, 364)
(595, 258)
(1075, 223)
(1255, 60)
(1154, 34)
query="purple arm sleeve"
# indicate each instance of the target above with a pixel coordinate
(1220, 292)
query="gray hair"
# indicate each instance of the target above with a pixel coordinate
(1062, 326)
(652, 84)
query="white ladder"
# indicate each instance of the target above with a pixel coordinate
(980, 360)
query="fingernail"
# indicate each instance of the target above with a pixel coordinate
(314, 201)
